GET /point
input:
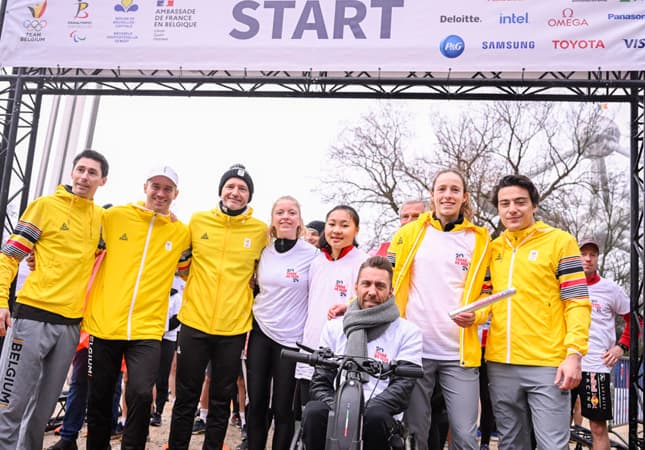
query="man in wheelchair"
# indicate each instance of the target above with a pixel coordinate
(371, 328)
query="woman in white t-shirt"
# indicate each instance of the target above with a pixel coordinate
(333, 276)
(439, 265)
(279, 312)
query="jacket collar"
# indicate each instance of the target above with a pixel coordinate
(141, 208)
(515, 238)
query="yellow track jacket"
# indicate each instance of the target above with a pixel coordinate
(550, 315)
(63, 230)
(217, 297)
(129, 297)
(404, 246)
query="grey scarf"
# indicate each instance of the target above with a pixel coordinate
(364, 325)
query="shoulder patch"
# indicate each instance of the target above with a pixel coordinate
(400, 241)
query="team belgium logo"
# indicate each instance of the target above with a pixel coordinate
(36, 23)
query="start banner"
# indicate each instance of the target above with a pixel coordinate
(326, 35)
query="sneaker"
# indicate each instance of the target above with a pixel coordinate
(242, 446)
(155, 419)
(243, 432)
(235, 420)
(64, 444)
(199, 426)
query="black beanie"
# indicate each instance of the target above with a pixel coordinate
(237, 171)
(317, 225)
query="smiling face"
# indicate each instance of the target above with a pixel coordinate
(285, 219)
(448, 197)
(373, 287)
(160, 193)
(313, 237)
(235, 194)
(87, 177)
(340, 230)
(515, 208)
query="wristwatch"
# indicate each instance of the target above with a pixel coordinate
(623, 346)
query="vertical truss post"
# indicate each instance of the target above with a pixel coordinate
(637, 261)
(8, 145)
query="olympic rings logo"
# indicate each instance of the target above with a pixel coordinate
(35, 25)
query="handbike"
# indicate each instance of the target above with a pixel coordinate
(345, 423)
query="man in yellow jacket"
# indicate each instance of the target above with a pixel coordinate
(538, 336)
(63, 231)
(216, 310)
(128, 305)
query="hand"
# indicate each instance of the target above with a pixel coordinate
(5, 321)
(612, 356)
(31, 261)
(173, 217)
(569, 373)
(337, 310)
(464, 319)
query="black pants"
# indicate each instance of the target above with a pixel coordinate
(301, 397)
(263, 364)
(165, 362)
(377, 426)
(104, 365)
(194, 350)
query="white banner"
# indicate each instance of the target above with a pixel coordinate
(326, 35)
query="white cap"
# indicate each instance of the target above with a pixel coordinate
(164, 171)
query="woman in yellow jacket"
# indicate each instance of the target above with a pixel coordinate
(440, 265)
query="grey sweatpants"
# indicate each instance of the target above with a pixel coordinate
(514, 391)
(33, 366)
(460, 388)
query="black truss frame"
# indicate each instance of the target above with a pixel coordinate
(22, 91)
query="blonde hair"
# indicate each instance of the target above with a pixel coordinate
(300, 230)
(466, 209)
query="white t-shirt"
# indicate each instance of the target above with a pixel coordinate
(280, 308)
(401, 341)
(439, 272)
(607, 301)
(174, 303)
(331, 282)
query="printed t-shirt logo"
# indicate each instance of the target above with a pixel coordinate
(124, 237)
(380, 354)
(341, 288)
(204, 236)
(461, 260)
(293, 275)
(64, 227)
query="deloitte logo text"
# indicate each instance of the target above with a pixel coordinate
(452, 46)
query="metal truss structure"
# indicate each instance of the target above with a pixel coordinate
(22, 91)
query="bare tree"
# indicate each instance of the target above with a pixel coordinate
(563, 148)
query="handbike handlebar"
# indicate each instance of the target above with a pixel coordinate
(325, 357)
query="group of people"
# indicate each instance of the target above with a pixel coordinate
(246, 277)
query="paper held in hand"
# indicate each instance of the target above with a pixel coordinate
(479, 304)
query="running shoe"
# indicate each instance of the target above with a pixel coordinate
(199, 426)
